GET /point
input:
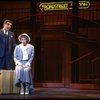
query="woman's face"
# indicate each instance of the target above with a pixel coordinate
(24, 41)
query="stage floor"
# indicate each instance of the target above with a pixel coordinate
(56, 93)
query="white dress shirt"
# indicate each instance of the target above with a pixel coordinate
(5, 31)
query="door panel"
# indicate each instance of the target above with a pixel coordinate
(49, 67)
(52, 61)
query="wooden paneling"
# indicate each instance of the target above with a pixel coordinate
(52, 70)
(7, 82)
(51, 60)
(14, 9)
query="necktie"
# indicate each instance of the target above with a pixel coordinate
(6, 32)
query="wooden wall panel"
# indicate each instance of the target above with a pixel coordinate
(15, 9)
(53, 68)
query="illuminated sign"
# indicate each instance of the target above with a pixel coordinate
(63, 5)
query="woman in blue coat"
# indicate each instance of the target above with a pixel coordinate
(23, 56)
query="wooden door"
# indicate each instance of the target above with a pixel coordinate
(49, 63)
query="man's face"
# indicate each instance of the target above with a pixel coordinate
(7, 26)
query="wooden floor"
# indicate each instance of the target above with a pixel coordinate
(56, 93)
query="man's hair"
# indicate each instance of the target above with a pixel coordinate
(7, 20)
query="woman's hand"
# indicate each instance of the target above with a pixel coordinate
(26, 65)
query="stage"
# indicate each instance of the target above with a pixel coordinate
(56, 93)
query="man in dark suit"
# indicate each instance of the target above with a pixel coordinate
(7, 45)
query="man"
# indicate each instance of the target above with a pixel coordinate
(7, 45)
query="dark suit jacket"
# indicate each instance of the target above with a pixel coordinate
(11, 43)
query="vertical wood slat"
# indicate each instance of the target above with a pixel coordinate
(7, 82)
(4, 81)
(13, 88)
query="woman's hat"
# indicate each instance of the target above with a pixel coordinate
(24, 34)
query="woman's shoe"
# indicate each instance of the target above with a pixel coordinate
(22, 92)
(26, 92)
(22, 89)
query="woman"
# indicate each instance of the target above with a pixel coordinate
(23, 56)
